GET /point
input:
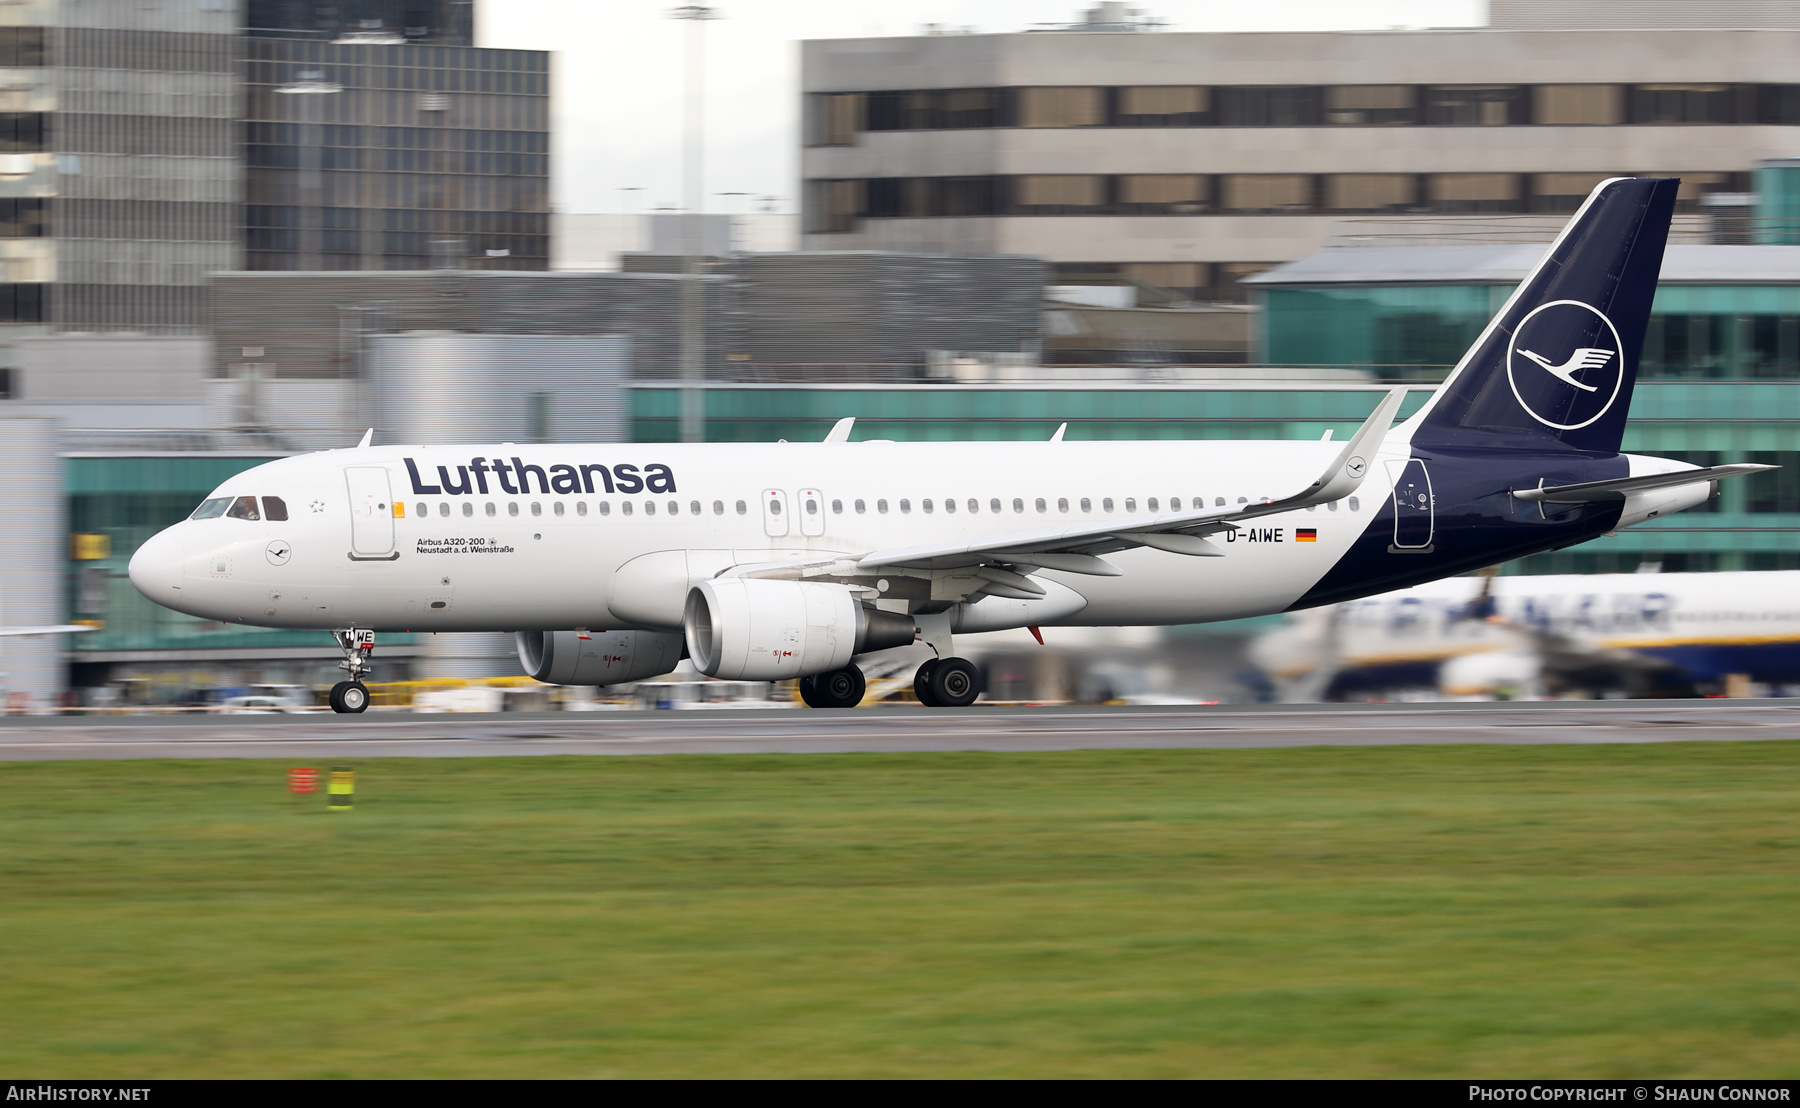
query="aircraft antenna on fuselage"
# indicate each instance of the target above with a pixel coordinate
(1059, 433)
(368, 437)
(840, 431)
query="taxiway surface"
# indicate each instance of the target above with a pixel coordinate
(397, 734)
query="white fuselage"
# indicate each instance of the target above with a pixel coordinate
(1432, 623)
(363, 546)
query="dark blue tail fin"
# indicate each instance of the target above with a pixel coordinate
(1555, 367)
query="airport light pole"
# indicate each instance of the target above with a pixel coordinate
(625, 228)
(693, 368)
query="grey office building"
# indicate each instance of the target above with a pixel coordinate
(373, 152)
(1191, 161)
(119, 168)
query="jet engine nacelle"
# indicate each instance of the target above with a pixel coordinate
(754, 629)
(603, 658)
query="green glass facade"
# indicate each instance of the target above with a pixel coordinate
(128, 500)
(1417, 332)
(1778, 202)
(1754, 525)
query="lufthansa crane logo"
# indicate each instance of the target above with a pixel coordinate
(1565, 364)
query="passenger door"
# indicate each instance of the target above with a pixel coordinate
(1414, 516)
(371, 513)
(775, 513)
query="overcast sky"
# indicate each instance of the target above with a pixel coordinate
(618, 81)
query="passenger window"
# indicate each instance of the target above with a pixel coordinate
(1040, 504)
(557, 507)
(469, 507)
(1150, 503)
(837, 507)
(1332, 506)
(1106, 504)
(421, 509)
(1018, 505)
(581, 507)
(537, 509)
(674, 507)
(624, 507)
(881, 506)
(812, 506)
(974, 505)
(1219, 502)
(694, 507)
(512, 507)
(742, 507)
(1062, 504)
(649, 507)
(774, 505)
(443, 507)
(490, 509)
(861, 507)
(1131, 503)
(994, 506)
(274, 509)
(925, 504)
(949, 504)
(905, 506)
(244, 507)
(211, 509)
(1086, 504)
(1243, 500)
(606, 507)
(718, 507)
(1355, 505)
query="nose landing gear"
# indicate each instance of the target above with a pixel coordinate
(352, 696)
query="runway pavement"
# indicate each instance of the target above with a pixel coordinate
(396, 734)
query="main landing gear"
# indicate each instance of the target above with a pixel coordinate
(841, 688)
(947, 683)
(352, 696)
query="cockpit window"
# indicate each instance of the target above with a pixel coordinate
(275, 508)
(210, 509)
(244, 507)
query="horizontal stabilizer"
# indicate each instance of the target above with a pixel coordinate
(1591, 491)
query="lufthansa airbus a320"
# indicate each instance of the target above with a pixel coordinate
(788, 560)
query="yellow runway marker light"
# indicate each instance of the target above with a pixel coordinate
(342, 788)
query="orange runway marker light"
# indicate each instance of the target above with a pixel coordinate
(302, 780)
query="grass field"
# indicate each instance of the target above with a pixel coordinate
(1475, 911)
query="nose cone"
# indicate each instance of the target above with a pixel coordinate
(156, 569)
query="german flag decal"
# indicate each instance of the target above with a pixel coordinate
(1306, 534)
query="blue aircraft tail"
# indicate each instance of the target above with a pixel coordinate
(1555, 367)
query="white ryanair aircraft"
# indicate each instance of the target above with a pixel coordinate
(788, 560)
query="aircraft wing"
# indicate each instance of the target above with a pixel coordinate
(60, 629)
(1077, 548)
(1618, 489)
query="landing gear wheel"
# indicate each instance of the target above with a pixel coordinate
(922, 684)
(955, 683)
(841, 688)
(808, 688)
(349, 696)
